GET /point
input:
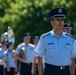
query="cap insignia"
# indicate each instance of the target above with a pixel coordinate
(60, 10)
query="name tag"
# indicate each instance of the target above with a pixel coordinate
(68, 44)
(50, 43)
(31, 48)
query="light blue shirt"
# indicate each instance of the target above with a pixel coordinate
(57, 51)
(1, 52)
(1, 56)
(28, 51)
(10, 60)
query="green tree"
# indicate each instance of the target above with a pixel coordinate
(31, 15)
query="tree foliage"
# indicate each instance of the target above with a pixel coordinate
(31, 15)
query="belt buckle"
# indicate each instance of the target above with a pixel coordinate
(28, 63)
(62, 67)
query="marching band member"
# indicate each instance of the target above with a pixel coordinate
(35, 61)
(25, 62)
(10, 61)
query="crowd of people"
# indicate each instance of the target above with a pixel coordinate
(53, 53)
(14, 61)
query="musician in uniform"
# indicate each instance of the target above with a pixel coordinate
(10, 62)
(25, 62)
(1, 60)
(35, 61)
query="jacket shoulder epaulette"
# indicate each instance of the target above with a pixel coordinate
(69, 35)
(48, 33)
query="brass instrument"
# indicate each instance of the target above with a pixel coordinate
(14, 55)
(4, 37)
(8, 36)
(22, 53)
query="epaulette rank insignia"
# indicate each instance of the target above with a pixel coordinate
(70, 35)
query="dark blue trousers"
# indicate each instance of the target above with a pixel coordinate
(1, 70)
(36, 70)
(55, 70)
(75, 71)
(12, 71)
(25, 69)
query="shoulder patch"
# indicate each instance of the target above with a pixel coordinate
(48, 33)
(69, 35)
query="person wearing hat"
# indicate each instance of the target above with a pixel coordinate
(25, 62)
(74, 62)
(35, 61)
(1, 61)
(35, 40)
(57, 46)
(10, 62)
(3, 48)
(67, 28)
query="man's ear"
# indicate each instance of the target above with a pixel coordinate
(51, 22)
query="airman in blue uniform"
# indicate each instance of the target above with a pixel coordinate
(25, 62)
(3, 48)
(35, 61)
(35, 40)
(1, 60)
(10, 61)
(57, 46)
(67, 28)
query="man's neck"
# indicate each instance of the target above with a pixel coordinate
(58, 32)
(26, 44)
